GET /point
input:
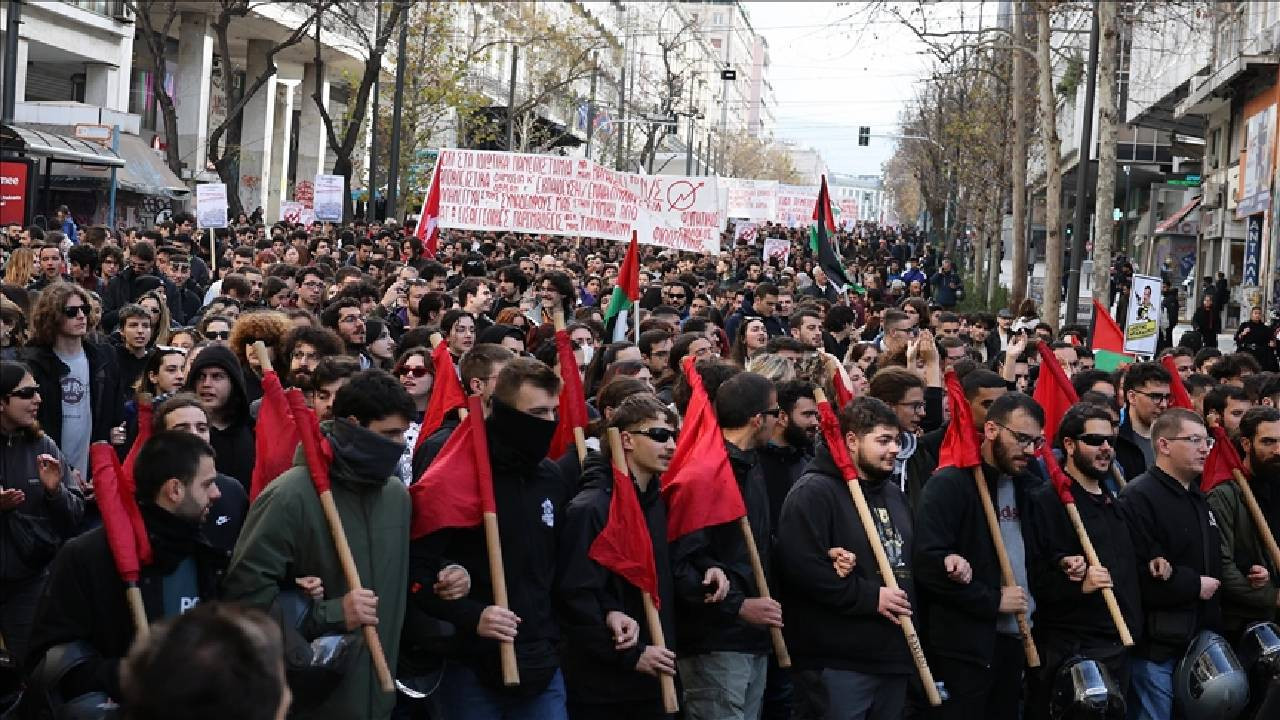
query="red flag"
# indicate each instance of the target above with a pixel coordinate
(126, 535)
(624, 546)
(428, 230)
(834, 438)
(960, 443)
(314, 445)
(1106, 334)
(140, 439)
(843, 393)
(1222, 459)
(573, 399)
(446, 393)
(457, 489)
(277, 439)
(1060, 479)
(629, 274)
(699, 485)
(1180, 397)
(1053, 392)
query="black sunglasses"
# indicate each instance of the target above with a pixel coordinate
(657, 434)
(218, 335)
(1096, 439)
(26, 393)
(75, 310)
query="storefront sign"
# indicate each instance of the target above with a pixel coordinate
(15, 182)
(1252, 250)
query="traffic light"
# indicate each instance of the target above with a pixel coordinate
(864, 136)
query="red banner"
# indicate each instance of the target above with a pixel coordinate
(15, 177)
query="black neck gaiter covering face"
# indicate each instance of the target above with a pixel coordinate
(518, 441)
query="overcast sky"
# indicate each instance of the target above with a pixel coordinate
(834, 67)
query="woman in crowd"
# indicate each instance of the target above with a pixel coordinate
(415, 372)
(20, 268)
(381, 346)
(13, 329)
(156, 304)
(751, 338)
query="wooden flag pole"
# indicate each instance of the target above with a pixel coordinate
(779, 644)
(1006, 568)
(579, 436)
(1108, 594)
(264, 357)
(1115, 470)
(890, 580)
(138, 611)
(1259, 520)
(666, 682)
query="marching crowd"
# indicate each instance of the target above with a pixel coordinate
(143, 346)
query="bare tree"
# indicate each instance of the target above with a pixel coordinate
(223, 148)
(1108, 49)
(155, 18)
(1052, 147)
(352, 20)
(1018, 159)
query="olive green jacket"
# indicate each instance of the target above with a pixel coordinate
(286, 536)
(1241, 548)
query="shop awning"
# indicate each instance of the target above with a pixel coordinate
(1172, 222)
(63, 148)
(145, 171)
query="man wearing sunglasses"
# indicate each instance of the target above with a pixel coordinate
(602, 614)
(1146, 396)
(1073, 617)
(969, 621)
(78, 378)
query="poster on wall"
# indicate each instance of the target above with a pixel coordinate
(328, 197)
(1255, 186)
(1142, 322)
(211, 205)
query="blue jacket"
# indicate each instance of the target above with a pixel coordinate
(70, 230)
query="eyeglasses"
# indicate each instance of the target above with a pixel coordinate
(313, 284)
(1097, 439)
(657, 434)
(915, 406)
(1035, 442)
(1157, 398)
(26, 393)
(218, 334)
(75, 311)
(179, 267)
(417, 372)
(171, 349)
(775, 412)
(1193, 439)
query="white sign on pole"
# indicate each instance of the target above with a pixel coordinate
(751, 199)
(746, 232)
(795, 204)
(328, 197)
(1142, 321)
(211, 205)
(291, 212)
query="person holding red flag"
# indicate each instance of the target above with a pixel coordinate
(1169, 517)
(528, 496)
(1073, 618)
(84, 601)
(722, 619)
(970, 626)
(286, 536)
(611, 663)
(849, 656)
(1249, 575)
(479, 369)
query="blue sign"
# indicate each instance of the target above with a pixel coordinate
(1252, 250)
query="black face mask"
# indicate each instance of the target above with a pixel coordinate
(525, 438)
(371, 455)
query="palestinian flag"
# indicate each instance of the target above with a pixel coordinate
(1107, 340)
(627, 290)
(820, 241)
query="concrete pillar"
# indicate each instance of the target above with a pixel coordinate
(101, 85)
(279, 190)
(20, 74)
(195, 72)
(124, 75)
(313, 143)
(258, 130)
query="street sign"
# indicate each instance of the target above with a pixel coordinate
(728, 74)
(1252, 251)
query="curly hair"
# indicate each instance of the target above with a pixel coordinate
(268, 326)
(47, 315)
(21, 267)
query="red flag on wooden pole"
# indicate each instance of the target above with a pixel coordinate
(1054, 392)
(1223, 459)
(961, 442)
(446, 393)
(277, 440)
(1180, 398)
(573, 400)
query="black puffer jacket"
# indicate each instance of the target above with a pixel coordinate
(586, 592)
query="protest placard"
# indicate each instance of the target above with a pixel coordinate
(328, 197)
(211, 205)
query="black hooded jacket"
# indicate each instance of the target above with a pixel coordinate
(104, 388)
(833, 622)
(586, 592)
(782, 466)
(234, 444)
(530, 495)
(715, 627)
(84, 598)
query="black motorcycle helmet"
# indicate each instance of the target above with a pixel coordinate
(44, 698)
(1260, 651)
